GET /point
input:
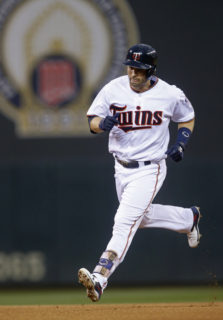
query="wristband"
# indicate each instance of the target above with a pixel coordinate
(183, 136)
(101, 124)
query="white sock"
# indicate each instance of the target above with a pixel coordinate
(102, 280)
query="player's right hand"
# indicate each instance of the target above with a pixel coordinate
(176, 152)
(108, 122)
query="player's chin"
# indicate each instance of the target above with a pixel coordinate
(135, 86)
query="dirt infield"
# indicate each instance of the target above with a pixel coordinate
(178, 311)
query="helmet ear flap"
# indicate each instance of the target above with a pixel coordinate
(151, 71)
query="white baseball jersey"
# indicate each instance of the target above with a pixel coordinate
(143, 132)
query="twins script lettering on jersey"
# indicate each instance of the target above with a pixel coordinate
(136, 120)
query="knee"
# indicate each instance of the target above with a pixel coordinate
(121, 226)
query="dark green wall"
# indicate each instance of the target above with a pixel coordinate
(65, 210)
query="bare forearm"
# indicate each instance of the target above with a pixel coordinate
(188, 124)
(94, 124)
(176, 151)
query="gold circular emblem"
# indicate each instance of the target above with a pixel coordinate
(55, 56)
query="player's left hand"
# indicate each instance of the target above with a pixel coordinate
(176, 152)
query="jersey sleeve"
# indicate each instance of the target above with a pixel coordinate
(100, 105)
(183, 110)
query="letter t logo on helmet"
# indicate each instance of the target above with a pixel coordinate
(136, 56)
(142, 56)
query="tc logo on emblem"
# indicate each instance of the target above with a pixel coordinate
(136, 56)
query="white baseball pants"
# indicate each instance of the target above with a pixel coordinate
(136, 189)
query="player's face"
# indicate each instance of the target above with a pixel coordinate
(137, 78)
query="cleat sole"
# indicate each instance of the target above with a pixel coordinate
(86, 281)
(198, 232)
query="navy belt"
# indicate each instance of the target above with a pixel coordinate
(133, 164)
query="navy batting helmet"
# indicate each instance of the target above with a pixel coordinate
(142, 56)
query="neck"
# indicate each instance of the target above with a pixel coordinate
(146, 86)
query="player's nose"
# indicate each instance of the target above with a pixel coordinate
(133, 72)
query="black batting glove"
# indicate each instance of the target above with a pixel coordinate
(176, 152)
(108, 122)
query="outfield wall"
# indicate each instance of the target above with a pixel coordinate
(57, 216)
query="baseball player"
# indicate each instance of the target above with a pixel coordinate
(136, 109)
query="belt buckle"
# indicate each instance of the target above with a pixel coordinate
(124, 163)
